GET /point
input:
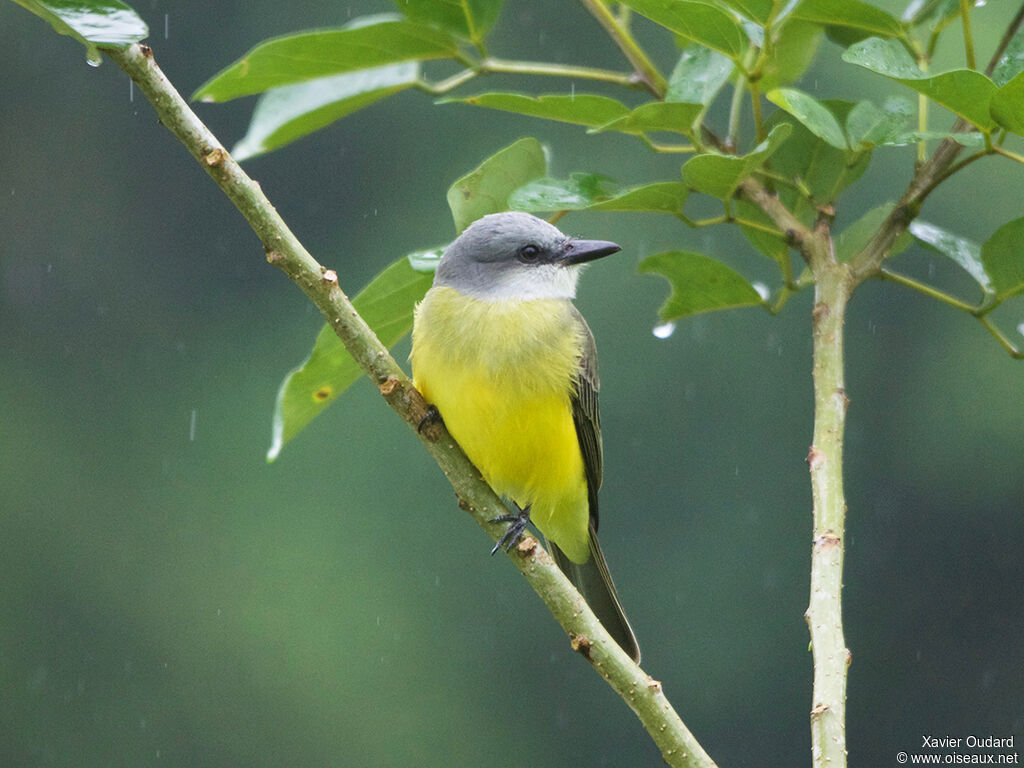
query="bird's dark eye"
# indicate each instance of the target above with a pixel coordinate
(529, 252)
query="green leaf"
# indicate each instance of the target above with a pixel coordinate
(468, 19)
(387, 305)
(94, 23)
(816, 118)
(796, 42)
(964, 252)
(656, 116)
(699, 284)
(855, 237)
(1007, 105)
(963, 138)
(824, 170)
(285, 114)
(1003, 257)
(860, 19)
(580, 109)
(755, 10)
(870, 126)
(699, 75)
(697, 22)
(487, 188)
(363, 44)
(598, 193)
(773, 246)
(719, 175)
(931, 13)
(962, 91)
(1011, 63)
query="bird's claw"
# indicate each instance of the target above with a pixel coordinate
(517, 526)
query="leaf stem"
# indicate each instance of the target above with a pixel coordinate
(449, 83)
(927, 290)
(493, 65)
(640, 692)
(965, 20)
(646, 71)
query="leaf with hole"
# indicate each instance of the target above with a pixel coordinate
(699, 284)
(386, 304)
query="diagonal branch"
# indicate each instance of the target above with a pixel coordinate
(642, 693)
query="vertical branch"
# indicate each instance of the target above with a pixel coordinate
(965, 20)
(824, 612)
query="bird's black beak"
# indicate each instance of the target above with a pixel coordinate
(580, 251)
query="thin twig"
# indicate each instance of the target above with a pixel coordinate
(643, 694)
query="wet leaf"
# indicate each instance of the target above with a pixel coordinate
(487, 188)
(868, 125)
(94, 23)
(285, 114)
(363, 44)
(699, 75)
(962, 91)
(964, 252)
(810, 112)
(386, 304)
(699, 284)
(598, 193)
(1011, 63)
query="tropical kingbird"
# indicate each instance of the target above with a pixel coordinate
(510, 364)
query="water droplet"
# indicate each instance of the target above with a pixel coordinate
(167, 20)
(572, 92)
(762, 290)
(664, 330)
(93, 59)
(192, 427)
(1020, 329)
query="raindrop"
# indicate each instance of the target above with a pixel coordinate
(1020, 329)
(762, 290)
(931, 269)
(572, 92)
(167, 21)
(664, 330)
(131, 90)
(192, 427)
(93, 59)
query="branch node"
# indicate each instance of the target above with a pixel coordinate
(818, 711)
(331, 277)
(527, 546)
(387, 386)
(827, 540)
(274, 257)
(145, 50)
(815, 458)
(214, 156)
(820, 312)
(582, 645)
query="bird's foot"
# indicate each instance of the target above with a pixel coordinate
(516, 527)
(431, 417)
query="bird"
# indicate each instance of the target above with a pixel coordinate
(508, 363)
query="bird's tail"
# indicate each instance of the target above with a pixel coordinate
(594, 582)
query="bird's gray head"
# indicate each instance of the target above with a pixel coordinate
(516, 256)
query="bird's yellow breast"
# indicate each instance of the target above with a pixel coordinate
(502, 374)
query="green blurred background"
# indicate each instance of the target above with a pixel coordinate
(168, 598)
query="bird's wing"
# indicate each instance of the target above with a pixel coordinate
(585, 414)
